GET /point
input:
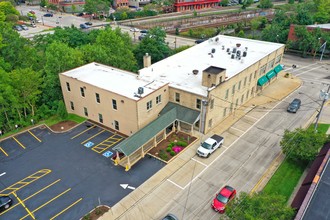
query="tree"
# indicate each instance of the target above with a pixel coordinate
(61, 110)
(155, 45)
(265, 4)
(8, 8)
(304, 14)
(323, 12)
(259, 206)
(255, 24)
(302, 144)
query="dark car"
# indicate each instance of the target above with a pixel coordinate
(294, 106)
(142, 36)
(221, 200)
(170, 217)
(144, 31)
(89, 23)
(5, 202)
(48, 15)
(199, 41)
(18, 28)
(84, 26)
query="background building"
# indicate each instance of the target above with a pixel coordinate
(186, 5)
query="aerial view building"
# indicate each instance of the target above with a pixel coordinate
(192, 91)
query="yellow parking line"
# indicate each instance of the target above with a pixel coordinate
(65, 209)
(34, 136)
(3, 151)
(100, 144)
(103, 149)
(19, 143)
(36, 193)
(22, 203)
(83, 132)
(92, 137)
(47, 202)
(18, 185)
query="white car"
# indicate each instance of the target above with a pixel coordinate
(134, 30)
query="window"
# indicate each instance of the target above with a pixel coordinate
(242, 99)
(114, 104)
(116, 125)
(224, 112)
(245, 81)
(149, 105)
(250, 78)
(82, 91)
(100, 118)
(85, 111)
(158, 99)
(271, 64)
(247, 94)
(233, 89)
(255, 74)
(262, 70)
(97, 97)
(227, 92)
(68, 86)
(212, 104)
(278, 59)
(210, 123)
(252, 90)
(177, 97)
(198, 103)
(71, 105)
(239, 85)
(236, 103)
(231, 107)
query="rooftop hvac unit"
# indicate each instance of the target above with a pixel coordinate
(213, 50)
(238, 53)
(228, 50)
(233, 56)
(234, 50)
(223, 47)
(216, 39)
(244, 53)
(140, 90)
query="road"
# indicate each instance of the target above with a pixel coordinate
(251, 145)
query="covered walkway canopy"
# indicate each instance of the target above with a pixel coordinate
(262, 81)
(137, 145)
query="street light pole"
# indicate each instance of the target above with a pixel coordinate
(323, 49)
(325, 98)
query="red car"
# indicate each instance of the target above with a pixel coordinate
(225, 195)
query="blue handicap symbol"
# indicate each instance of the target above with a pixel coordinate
(89, 144)
(107, 154)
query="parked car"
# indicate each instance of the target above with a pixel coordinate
(142, 36)
(48, 15)
(199, 41)
(5, 202)
(170, 217)
(89, 23)
(24, 27)
(210, 145)
(84, 26)
(294, 106)
(226, 194)
(134, 29)
(18, 27)
(144, 31)
(80, 14)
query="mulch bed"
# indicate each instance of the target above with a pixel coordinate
(96, 213)
(63, 126)
(171, 138)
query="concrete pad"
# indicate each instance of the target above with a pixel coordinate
(229, 138)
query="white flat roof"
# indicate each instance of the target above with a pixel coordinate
(323, 26)
(112, 79)
(177, 69)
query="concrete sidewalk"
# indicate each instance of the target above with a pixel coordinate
(145, 201)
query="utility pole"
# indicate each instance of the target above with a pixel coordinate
(325, 96)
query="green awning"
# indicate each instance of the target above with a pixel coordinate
(271, 74)
(278, 68)
(262, 81)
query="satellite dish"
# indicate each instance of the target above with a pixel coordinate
(216, 39)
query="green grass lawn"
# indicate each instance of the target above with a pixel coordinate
(323, 128)
(285, 178)
(55, 119)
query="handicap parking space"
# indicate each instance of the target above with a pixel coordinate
(82, 175)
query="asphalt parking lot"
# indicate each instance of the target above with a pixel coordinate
(65, 175)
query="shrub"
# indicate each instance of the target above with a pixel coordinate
(87, 217)
(168, 149)
(163, 155)
(98, 211)
(172, 153)
(170, 144)
(182, 143)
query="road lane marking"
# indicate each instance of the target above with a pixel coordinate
(83, 132)
(251, 117)
(175, 184)
(46, 203)
(58, 214)
(34, 136)
(36, 193)
(26, 209)
(92, 137)
(199, 162)
(19, 143)
(3, 151)
(309, 70)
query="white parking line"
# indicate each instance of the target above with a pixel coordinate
(301, 73)
(251, 117)
(174, 183)
(4, 173)
(199, 162)
(237, 129)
